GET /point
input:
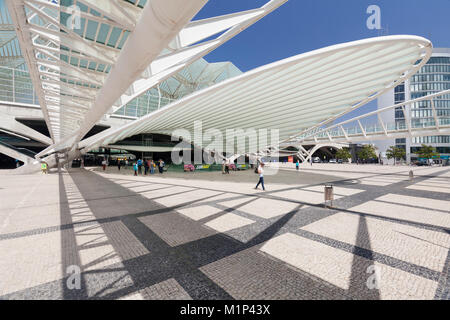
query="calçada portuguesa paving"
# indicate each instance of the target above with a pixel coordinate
(212, 236)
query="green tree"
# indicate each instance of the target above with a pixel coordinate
(427, 152)
(343, 154)
(395, 153)
(367, 152)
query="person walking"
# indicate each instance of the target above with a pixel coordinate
(161, 166)
(227, 166)
(223, 166)
(139, 163)
(152, 167)
(149, 163)
(297, 165)
(104, 164)
(146, 167)
(118, 164)
(135, 168)
(261, 176)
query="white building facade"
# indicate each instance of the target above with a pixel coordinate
(431, 78)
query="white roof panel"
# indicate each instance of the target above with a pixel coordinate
(294, 94)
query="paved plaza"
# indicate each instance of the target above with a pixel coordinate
(213, 236)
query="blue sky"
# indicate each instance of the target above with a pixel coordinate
(303, 25)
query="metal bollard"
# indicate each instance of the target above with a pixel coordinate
(329, 195)
(411, 175)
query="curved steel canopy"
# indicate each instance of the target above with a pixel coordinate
(87, 58)
(293, 95)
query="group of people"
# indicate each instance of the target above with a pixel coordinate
(149, 166)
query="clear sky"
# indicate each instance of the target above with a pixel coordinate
(303, 25)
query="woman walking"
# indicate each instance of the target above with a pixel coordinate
(261, 176)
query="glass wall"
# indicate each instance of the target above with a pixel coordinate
(431, 78)
(399, 97)
(197, 76)
(16, 86)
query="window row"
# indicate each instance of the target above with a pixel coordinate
(440, 77)
(434, 69)
(429, 113)
(432, 86)
(431, 139)
(438, 104)
(439, 60)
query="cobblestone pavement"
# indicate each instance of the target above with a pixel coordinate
(162, 237)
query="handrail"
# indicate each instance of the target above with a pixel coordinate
(408, 103)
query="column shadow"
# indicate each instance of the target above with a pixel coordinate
(163, 262)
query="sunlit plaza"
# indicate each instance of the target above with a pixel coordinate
(221, 150)
(212, 237)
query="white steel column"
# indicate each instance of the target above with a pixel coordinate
(160, 22)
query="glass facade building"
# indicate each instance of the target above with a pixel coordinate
(431, 78)
(16, 86)
(198, 75)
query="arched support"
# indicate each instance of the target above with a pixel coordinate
(318, 147)
(301, 157)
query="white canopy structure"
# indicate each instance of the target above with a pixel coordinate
(88, 58)
(84, 70)
(292, 95)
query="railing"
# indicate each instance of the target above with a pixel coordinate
(375, 129)
(437, 123)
